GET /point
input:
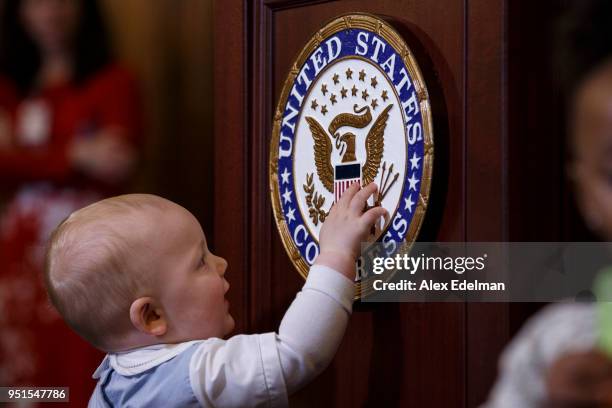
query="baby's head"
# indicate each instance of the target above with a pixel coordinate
(584, 67)
(135, 270)
(591, 146)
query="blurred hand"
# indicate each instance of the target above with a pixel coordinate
(346, 226)
(582, 379)
(105, 156)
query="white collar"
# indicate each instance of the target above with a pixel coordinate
(139, 360)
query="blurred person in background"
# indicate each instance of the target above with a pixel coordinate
(69, 135)
(556, 360)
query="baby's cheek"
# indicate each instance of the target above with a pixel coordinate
(231, 324)
(196, 308)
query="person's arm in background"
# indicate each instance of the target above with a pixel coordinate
(263, 369)
(107, 155)
(110, 155)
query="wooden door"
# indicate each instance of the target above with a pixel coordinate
(417, 355)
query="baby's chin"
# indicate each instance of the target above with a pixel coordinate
(230, 325)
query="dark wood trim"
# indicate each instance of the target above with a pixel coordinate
(487, 326)
(260, 101)
(276, 5)
(231, 221)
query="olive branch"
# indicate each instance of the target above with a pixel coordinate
(314, 200)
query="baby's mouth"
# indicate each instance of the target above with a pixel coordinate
(227, 287)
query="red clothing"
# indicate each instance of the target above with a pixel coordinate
(36, 347)
(108, 99)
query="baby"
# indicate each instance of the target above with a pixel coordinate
(133, 275)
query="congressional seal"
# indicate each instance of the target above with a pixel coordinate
(354, 108)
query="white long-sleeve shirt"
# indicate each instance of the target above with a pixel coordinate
(243, 371)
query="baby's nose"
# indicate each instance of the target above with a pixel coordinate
(222, 266)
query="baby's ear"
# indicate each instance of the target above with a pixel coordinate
(148, 317)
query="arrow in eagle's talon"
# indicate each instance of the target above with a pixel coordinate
(384, 188)
(383, 181)
(382, 175)
(380, 185)
(384, 194)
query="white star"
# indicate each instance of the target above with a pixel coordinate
(413, 182)
(414, 162)
(287, 196)
(290, 215)
(409, 204)
(285, 176)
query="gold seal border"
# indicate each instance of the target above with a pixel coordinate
(374, 24)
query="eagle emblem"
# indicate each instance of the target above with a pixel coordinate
(374, 143)
(336, 180)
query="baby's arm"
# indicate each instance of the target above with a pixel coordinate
(314, 325)
(264, 369)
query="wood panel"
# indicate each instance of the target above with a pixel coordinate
(423, 337)
(396, 349)
(487, 180)
(232, 222)
(429, 355)
(168, 45)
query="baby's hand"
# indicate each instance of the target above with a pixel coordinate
(345, 227)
